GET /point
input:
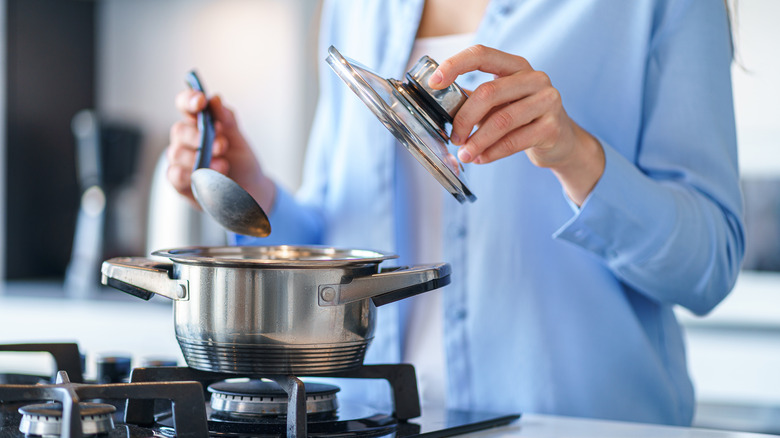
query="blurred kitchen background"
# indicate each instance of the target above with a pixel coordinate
(86, 102)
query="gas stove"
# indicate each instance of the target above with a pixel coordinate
(172, 401)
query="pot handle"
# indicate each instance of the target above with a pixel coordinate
(142, 277)
(388, 286)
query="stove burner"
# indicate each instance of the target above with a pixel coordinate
(266, 398)
(45, 419)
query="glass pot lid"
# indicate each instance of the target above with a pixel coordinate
(414, 113)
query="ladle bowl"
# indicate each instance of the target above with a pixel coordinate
(219, 196)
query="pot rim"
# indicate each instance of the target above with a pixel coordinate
(274, 256)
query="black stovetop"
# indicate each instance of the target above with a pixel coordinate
(172, 402)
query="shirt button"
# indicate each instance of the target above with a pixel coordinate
(457, 231)
(456, 315)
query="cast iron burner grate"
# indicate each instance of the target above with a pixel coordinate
(401, 377)
(66, 358)
(187, 401)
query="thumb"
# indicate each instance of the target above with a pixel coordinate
(227, 119)
(225, 116)
(220, 112)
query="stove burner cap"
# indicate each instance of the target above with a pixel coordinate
(266, 398)
(45, 419)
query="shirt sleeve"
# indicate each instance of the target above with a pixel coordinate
(669, 224)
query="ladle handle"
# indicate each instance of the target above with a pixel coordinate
(205, 125)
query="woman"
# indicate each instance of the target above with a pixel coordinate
(606, 174)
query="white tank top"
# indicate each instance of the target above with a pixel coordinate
(423, 343)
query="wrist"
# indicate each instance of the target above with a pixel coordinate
(579, 174)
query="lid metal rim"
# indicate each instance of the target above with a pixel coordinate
(194, 256)
(384, 113)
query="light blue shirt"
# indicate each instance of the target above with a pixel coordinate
(553, 308)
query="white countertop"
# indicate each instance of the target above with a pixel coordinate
(547, 426)
(115, 325)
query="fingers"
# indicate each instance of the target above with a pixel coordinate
(497, 125)
(185, 141)
(181, 154)
(179, 177)
(181, 161)
(494, 94)
(190, 102)
(475, 58)
(501, 121)
(518, 96)
(218, 110)
(185, 133)
(518, 140)
(519, 110)
(227, 126)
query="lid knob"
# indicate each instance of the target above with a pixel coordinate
(448, 100)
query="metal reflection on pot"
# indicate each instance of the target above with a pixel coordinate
(260, 310)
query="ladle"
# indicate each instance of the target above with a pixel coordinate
(221, 197)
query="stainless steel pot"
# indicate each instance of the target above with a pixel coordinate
(261, 310)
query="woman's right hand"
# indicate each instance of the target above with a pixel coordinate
(231, 154)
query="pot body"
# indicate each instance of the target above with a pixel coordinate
(268, 321)
(272, 310)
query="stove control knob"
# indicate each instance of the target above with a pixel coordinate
(113, 369)
(154, 362)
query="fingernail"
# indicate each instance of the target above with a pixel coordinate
(194, 102)
(435, 78)
(464, 156)
(455, 138)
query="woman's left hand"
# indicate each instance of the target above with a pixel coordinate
(519, 110)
